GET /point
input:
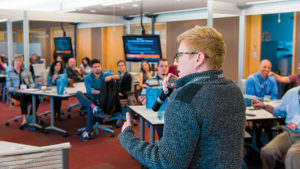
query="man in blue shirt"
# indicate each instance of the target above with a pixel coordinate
(289, 140)
(93, 84)
(260, 84)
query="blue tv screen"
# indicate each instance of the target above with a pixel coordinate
(142, 47)
(63, 46)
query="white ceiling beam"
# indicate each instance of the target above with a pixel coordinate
(184, 15)
(61, 17)
(274, 7)
(225, 8)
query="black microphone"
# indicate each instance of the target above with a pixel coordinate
(163, 95)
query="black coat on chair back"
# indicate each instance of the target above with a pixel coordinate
(109, 97)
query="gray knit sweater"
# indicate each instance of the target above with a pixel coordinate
(204, 126)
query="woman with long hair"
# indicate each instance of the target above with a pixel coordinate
(146, 73)
(56, 70)
(85, 66)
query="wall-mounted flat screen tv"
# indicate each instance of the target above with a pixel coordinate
(63, 46)
(142, 47)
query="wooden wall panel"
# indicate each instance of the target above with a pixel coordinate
(228, 27)
(173, 30)
(112, 47)
(84, 44)
(252, 44)
(296, 43)
(96, 43)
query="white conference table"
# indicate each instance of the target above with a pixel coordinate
(261, 114)
(52, 92)
(151, 117)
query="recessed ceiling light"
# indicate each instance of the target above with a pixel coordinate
(178, 0)
(134, 5)
(93, 11)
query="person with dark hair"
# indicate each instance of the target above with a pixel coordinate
(74, 72)
(125, 79)
(146, 73)
(16, 77)
(2, 65)
(204, 120)
(56, 71)
(156, 82)
(85, 66)
(93, 83)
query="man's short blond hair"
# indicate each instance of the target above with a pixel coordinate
(17, 57)
(207, 40)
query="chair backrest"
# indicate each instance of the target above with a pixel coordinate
(242, 85)
(54, 156)
(131, 96)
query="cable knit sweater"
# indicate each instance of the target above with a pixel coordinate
(204, 126)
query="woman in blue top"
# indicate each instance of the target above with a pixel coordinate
(56, 70)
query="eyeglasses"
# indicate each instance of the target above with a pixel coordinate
(178, 54)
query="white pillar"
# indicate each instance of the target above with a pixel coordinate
(26, 39)
(241, 46)
(128, 29)
(10, 45)
(210, 15)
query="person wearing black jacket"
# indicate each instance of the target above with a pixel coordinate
(125, 80)
(74, 72)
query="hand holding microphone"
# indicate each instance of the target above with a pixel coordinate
(168, 87)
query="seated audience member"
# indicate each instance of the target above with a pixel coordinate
(145, 74)
(59, 58)
(33, 60)
(16, 77)
(55, 72)
(2, 65)
(289, 140)
(205, 115)
(93, 84)
(293, 79)
(125, 80)
(74, 72)
(260, 84)
(85, 66)
(156, 82)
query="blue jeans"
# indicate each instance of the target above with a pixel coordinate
(86, 103)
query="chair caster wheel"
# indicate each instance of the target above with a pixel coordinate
(7, 123)
(44, 131)
(64, 135)
(69, 116)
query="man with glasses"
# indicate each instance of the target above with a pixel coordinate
(205, 115)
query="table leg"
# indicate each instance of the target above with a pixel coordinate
(52, 127)
(142, 128)
(152, 135)
(34, 124)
